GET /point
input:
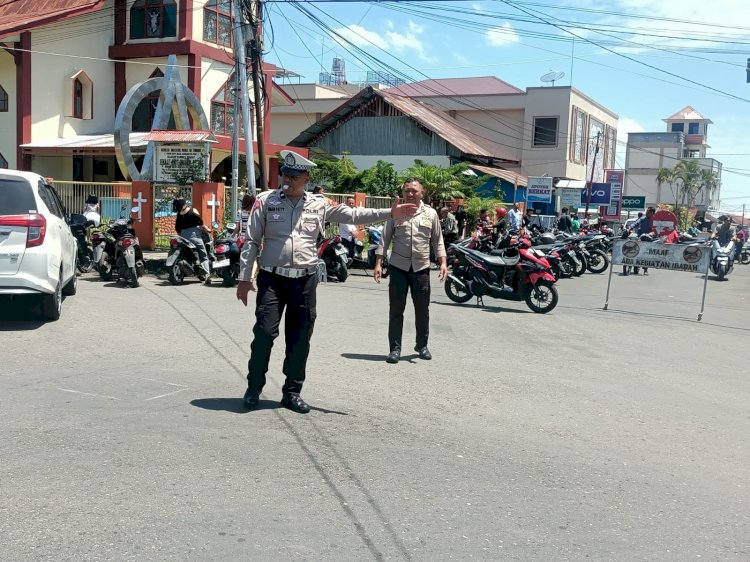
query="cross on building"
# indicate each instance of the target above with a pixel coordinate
(214, 204)
(139, 201)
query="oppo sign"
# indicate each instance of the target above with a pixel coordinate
(630, 203)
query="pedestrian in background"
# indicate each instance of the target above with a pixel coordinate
(515, 219)
(409, 266)
(449, 226)
(243, 215)
(564, 224)
(287, 223)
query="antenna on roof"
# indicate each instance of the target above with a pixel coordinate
(552, 76)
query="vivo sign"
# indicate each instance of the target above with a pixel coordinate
(600, 194)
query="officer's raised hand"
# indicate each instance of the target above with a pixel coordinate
(243, 288)
(400, 210)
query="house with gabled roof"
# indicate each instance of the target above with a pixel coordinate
(65, 65)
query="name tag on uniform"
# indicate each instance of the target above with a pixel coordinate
(426, 221)
(275, 217)
(275, 209)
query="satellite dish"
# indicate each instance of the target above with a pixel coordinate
(552, 76)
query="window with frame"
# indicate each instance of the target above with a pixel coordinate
(678, 127)
(545, 131)
(153, 18)
(217, 22)
(3, 161)
(222, 109)
(694, 128)
(77, 99)
(3, 100)
(143, 116)
(596, 161)
(578, 136)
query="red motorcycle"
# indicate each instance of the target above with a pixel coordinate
(335, 256)
(516, 272)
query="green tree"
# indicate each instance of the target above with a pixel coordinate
(442, 184)
(382, 179)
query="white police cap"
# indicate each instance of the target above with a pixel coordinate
(293, 164)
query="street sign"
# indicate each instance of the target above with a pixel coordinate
(634, 203)
(570, 197)
(539, 190)
(600, 194)
(615, 178)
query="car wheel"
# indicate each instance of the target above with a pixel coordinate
(52, 304)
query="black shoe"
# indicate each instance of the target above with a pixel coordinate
(207, 280)
(251, 398)
(294, 402)
(424, 353)
(393, 356)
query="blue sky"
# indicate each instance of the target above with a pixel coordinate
(682, 41)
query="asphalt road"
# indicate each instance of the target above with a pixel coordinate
(581, 434)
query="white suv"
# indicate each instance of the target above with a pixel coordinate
(37, 249)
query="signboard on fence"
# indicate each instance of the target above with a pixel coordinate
(691, 258)
(570, 197)
(172, 161)
(634, 203)
(539, 190)
(600, 194)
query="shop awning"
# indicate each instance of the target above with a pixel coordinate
(102, 144)
(511, 177)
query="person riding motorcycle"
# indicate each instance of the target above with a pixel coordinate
(91, 212)
(725, 232)
(189, 225)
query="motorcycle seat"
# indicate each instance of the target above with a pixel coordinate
(497, 257)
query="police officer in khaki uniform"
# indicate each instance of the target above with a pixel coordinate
(409, 264)
(287, 222)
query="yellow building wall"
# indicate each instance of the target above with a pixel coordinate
(8, 118)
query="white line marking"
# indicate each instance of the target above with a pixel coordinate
(167, 394)
(165, 382)
(88, 394)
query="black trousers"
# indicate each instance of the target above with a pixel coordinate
(419, 284)
(275, 294)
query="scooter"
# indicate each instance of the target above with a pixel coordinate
(227, 250)
(128, 254)
(375, 239)
(335, 256)
(183, 260)
(517, 273)
(79, 226)
(722, 258)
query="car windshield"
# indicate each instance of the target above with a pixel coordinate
(16, 197)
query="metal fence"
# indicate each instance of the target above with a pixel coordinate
(74, 193)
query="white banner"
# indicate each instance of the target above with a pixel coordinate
(693, 258)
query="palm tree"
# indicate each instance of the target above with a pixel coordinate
(665, 175)
(440, 184)
(709, 181)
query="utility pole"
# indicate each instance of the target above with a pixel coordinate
(256, 54)
(591, 179)
(242, 102)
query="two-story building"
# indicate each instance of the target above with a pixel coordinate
(65, 65)
(685, 138)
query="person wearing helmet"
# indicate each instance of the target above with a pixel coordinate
(189, 225)
(501, 226)
(725, 232)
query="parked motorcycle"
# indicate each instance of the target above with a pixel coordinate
(335, 256)
(359, 261)
(722, 259)
(745, 254)
(79, 226)
(593, 247)
(227, 251)
(183, 259)
(517, 273)
(118, 251)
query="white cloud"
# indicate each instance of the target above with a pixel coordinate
(360, 36)
(503, 35)
(624, 126)
(477, 7)
(407, 39)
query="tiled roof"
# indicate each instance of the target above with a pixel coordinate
(478, 86)
(22, 15)
(440, 123)
(180, 136)
(687, 113)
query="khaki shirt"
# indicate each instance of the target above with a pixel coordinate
(412, 238)
(289, 233)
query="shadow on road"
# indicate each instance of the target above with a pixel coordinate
(484, 308)
(377, 358)
(20, 314)
(233, 405)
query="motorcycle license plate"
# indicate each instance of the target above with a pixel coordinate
(172, 258)
(221, 263)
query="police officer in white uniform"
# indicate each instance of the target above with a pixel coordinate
(287, 222)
